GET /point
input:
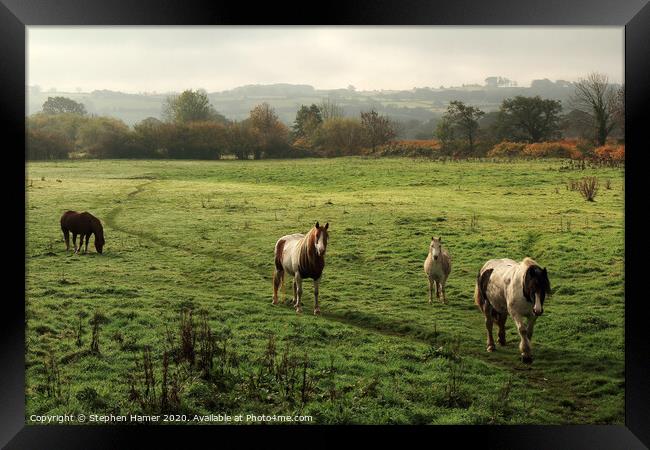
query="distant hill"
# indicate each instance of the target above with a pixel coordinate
(420, 104)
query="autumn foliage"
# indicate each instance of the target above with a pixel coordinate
(611, 153)
(555, 149)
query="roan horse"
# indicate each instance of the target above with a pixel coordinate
(505, 286)
(83, 224)
(301, 256)
(437, 266)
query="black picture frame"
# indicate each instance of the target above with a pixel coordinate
(634, 15)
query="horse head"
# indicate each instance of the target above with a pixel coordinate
(435, 248)
(537, 287)
(320, 238)
(99, 237)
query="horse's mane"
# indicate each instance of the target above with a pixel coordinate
(97, 227)
(527, 262)
(310, 264)
(534, 270)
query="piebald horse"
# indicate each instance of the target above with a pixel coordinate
(503, 287)
(301, 256)
(437, 266)
(83, 224)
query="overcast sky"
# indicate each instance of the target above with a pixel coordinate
(163, 59)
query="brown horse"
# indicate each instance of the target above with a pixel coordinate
(83, 224)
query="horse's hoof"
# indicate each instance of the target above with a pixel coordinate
(490, 348)
(298, 310)
(317, 312)
(527, 359)
(502, 343)
(274, 302)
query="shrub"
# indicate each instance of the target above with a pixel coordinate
(104, 137)
(552, 150)
(610, 153)
(509, 149)
(339, 136)
(412, 148)
(588, 187)
(47, 145)
(556, 149)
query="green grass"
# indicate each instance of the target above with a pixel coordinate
(196, 235)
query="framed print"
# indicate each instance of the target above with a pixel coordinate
(379, 219)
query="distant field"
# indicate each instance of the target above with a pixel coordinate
(199, 236)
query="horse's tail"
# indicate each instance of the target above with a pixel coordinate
(279, 250)
(480, 291)
(278, 273)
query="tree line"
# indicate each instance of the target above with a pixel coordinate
(192, 129)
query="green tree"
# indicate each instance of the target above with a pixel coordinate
(104, 137)
(464, 119)
(339, 136)
(445, 134)
(190, 106)
(308, 119)
(61, 105)
(242, 139)
(43, 144)
(377, 129)
(596, 97)
(149, 137)
(530, 119)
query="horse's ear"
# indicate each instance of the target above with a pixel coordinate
(327, 225)
(316, 224)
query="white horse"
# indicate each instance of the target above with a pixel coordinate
(503, 287)
(301, 256)
(437, 266)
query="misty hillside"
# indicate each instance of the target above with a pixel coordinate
(421, 104)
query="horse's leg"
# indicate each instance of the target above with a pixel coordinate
(501, 321)
(66, 237)
(86, 247)
(524, 344)
(74, 242)
(316, 306)
(531, 325)
(437, 289)
(487, 312)
(298, 283)
(430, 290)
(442, 288)
(278, 275)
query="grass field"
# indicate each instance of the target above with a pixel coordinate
(113, 333)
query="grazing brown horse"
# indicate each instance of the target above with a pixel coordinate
(302, 256)
(83, 224)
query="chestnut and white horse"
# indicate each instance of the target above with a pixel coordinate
(301, 256)
(437, 266)
(503, 287)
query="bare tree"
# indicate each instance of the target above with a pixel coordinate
(596, 97)
(619, 109)
(329, 109)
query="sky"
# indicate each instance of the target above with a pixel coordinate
(166, 59)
